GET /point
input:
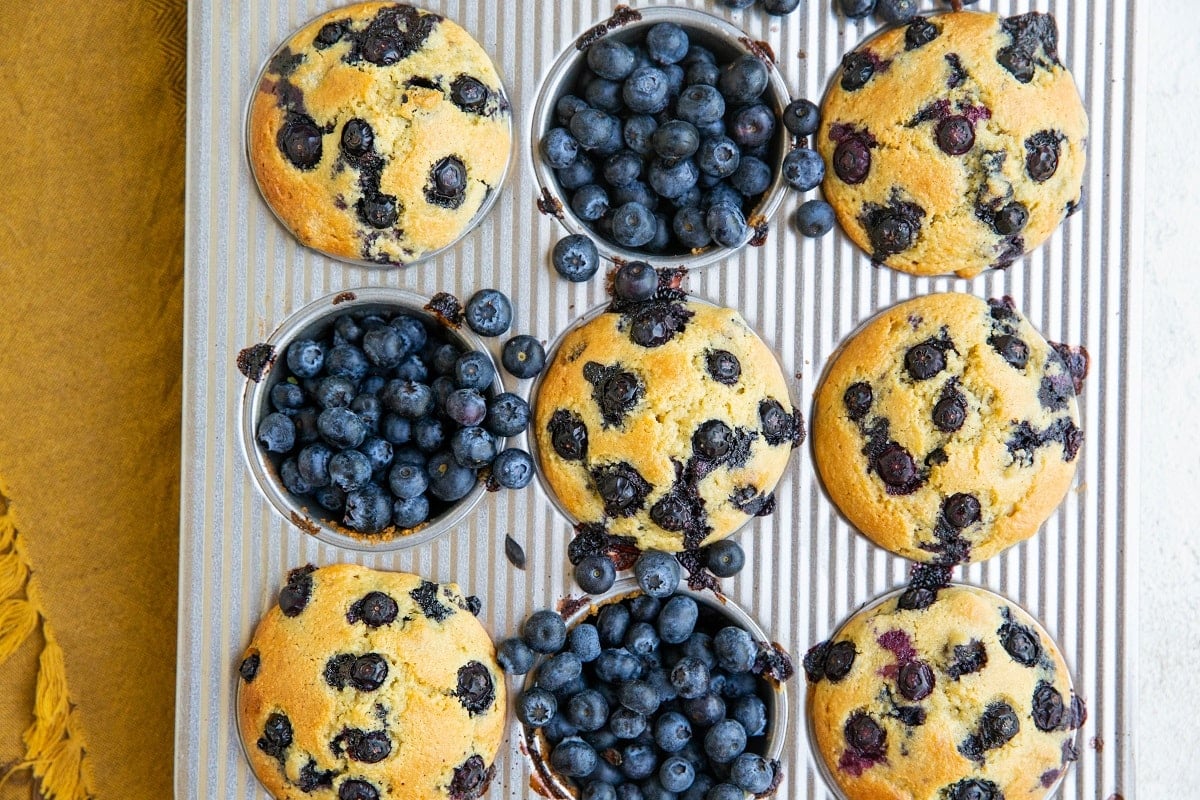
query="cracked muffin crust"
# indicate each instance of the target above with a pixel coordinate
(377, 132)
(348, 675)
(667, 421)
(964, 699)
(956, 143)
(947, 428)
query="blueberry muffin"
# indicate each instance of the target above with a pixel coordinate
(667, 421)
(964, 699)
(366, 685)
(946, 429)
(956, 143)
(377, 131)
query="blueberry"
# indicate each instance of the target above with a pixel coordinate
(646, 91)
(638, 131)
(473, 447)
(523, 356)
(915, 680)
(675, 139)
(638, 761)
(590, 202)
(598, 790)
(670, 178)
(667, 43)
(286, 395)
(636, 192)
(369, 409)
(635, 281)
(593, 128)
(536, 707)
(277, 433)
(814, 218)
(610, 59)
(633, 225)
(690, 677)
(595, 574)
(972, 789)
(584, 641)
(700, 104)
(429, 434)
(466, 407)
(961, 510)
(559, 148)
(544, 632)
(489, 312)
(448, 480)
(1011, 219)
(737, 4)
(347, 361)
(334, 392)
(672, 731)
(678, 619)
(473, 370)
(896, 11)
(507, 415)
(341, 427)
(587, 710)
(292, 480)
(725, 558)
(605, 95)
(924, 361)
(300, 141)
(408, 480)
(409, 455)
(639, 696)
(349, 470)
(409, 512)
(699, 645)
(560, 670)
(956, 135)
(752, 773)
(581, 173)
(752, 177)
(1011, 349)
(857, 69)
(690, 229)
(752, 126)
(702, 73)
(802, 117)
(726, 225)
(444, 358)
(719, 156)
(780, 8)
(735, 649)
(617, 666)
(612, 622)
(626, 723)
(330, 498)
(704, 711)
(513, 468)
(725, 741)
(712, 440)
(368, 510)
(857, 9)
(743, 80)
(676, 774)
(408, 399)
(575, 257)
(751, 712)
(852, 161)
(657, 573)
(516, 658)
(313, 464)
(725, 791)
(558, 729)
(305, 358)
(803, 169)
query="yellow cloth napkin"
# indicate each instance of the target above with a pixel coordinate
(91, 269)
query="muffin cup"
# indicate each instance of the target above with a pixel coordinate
(813, 753)
(313, 319)
(726, 41)
(776, 700)
(552, 352)
(489, 200)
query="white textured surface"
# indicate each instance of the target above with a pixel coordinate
(1170, 549)
(806, 569)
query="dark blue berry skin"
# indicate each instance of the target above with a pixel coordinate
(286, 395)
(752, 126)
(558, 729)
(752, 773)
(409, 512)
(369, 410)
(857, 9)
(725, 791)
(334, 392)
(444, 358)
(465, 406)
(507, 415)
(700, 104)
(699, 788)
(675, 139)
(803, 169)
(623, 168)
(751, 713)
(657, 573)
(474, 371)
(429, 434)
(737, 686)
(802, 117)
(641, 639)
(349, 470)
(779, 8)
(752, 177)
(523, 356)
(637, 192)
(293, 481)
(448, 480)
(639, 696)
(411, 331)
(593, 128)
(633, 225)
(598, 790)
(605, 95)
(489, 312)
(617, 666)
(647, 90)
(702, 73)
(690, 229)
(735, 649)
(409, 399)
(639, 761)
(559, 670)
(727, 225)
(678, 619)
(408, 480)
(513, 468)
(587, 710)
(743, 80)
(595, 574)
(672, 732)
(638, 131)
(612, 622)
(721, 193)
(305, 358)
(581, 173)
(584, 641)
(590, 202)
(689, 676)
(719, 156)
(341, 427)
(409, 455)
(346, 361)
(473, 447)
(725, 741)
(368, 510)
(515, 657)
(330, 498)
(676, 774)
(536, 707)
(626, 723)
(575, 257)
(346, 330)
(544, 632)
(670, 179)
(725, 558)
(635, 281)
(897, 11)
(737, 4)
(277, 433)
(611, 59)
(313, 464)
(384, 346)
(699, 645)
(412, 368)
(559, 148)
(815, 218)
(667, 43)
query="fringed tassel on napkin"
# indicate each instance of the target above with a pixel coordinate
(54, 747)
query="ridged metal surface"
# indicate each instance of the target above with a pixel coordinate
(806, 568)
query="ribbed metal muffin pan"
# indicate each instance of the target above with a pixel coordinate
(806, 568)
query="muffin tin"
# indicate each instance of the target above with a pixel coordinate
(806, 569)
